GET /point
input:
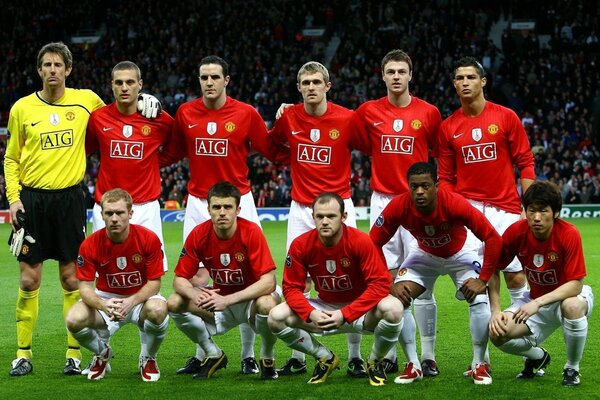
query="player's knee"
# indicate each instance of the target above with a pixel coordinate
(390, 309)
(573, 308)
(425, 299)
(264, 304)
(515, 280)
(76, 318)
(155, 311)
(176, 303)
(278, 317)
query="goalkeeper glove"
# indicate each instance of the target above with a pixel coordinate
(148, 105)
(17, 239)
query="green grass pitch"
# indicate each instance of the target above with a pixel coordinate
(453, 350)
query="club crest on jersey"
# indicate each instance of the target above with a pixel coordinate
(137, 258)
(121, 262)
(334, 134)
(476, 134)
(70, 115)
(380, 220)
(330, 266)
(315, 135)
(493, 129)
(345, 261)
(146, 130)
(429, 230)
(398, 124)
(211, 128)
(416, 124)
(239, 257)
(538, 260)
(127, 131)
(54, 119)
(552, 257)
(229, 126)
(225, 259)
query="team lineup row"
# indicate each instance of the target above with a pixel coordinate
(476, 149)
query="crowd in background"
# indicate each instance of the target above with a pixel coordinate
(549, 75)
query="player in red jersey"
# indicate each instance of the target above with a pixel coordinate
(551, 253)
(320, 142)
(129, 147)
(439, 221)
(216, 133)
(480, 145)
(353, 287)
(234, 253)
(401, 129)
(125, 261)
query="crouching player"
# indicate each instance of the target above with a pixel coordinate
(353, 284)
(438, 220)
(552, 256)
(234, 253)
(126, 261)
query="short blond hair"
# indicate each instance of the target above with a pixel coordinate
(114, 195)
(312, 67)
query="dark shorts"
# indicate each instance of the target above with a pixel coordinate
(56, 219)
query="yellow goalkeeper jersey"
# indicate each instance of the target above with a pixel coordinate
(46, 145)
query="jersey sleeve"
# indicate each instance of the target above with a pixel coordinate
(189, 259)
(574, 264)
(387, 223)
(294, 282)
(359, 135)
(446, 161)
(12, 157)
(86, 263)
(154, 261)
(260, 255)
(91, 136)
(520, 148)
(435, 119)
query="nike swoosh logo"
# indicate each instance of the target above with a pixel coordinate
(190, 126)
(377, 123)
(295, 132)
(208, 258)
(457, 136)
(521, 254)
(104, 264)
(312, 265)
(35, 123)
(106, 129)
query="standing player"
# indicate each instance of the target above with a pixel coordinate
(234, 253)
(129, 146)
(401, 130)
(125, 260)
(216, 133)
(551, 253)
(353, 292)
(438, 221)
(480, 146)
(320, 142)
(44, 165)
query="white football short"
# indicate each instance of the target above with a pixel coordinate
(500, 220)
(236, 314)
(424, 268)
(132, 318)
(144, 214)
(196, 212)
(549, 317)
(397, 249)
(300, 219)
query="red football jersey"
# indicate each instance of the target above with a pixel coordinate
(232, 264)
(129, 146)
(477, 156)
(398, 137)
(547, 264)
(121, 268)
(217, 143)
(352, 272)
(320, 149)
(441, 233)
